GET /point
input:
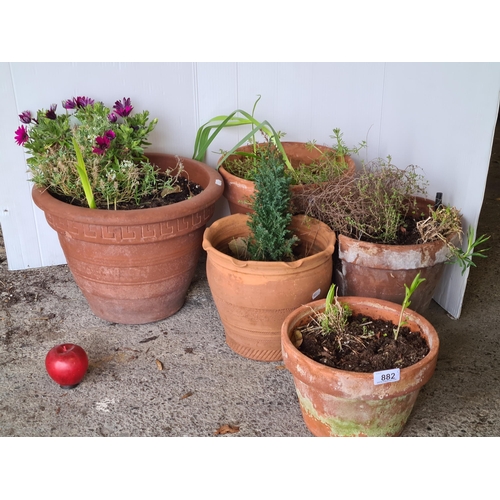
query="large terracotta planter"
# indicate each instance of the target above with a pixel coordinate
(135, 266)
(253, 298)
(238, 191)
(343, 403)
(376, 270)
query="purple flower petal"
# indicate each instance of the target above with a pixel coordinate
(110, 135)
(69, 104)
(123, 108)
(82, 101)
(102, 143)
(25, 117)
(21, 135)
(113, 117)
(51, 113)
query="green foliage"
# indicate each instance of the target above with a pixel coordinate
(335, 317)
(211, 129)
(406, 302)
(92, 152)
(341, 148)
(329, 166)
(331, 163)
(270, 239)
(386, 194)
(464, 257)
(84, 178)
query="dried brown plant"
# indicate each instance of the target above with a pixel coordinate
(372, 205)
(442, 223)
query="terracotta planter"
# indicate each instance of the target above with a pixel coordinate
(253, 298)
(135, 266)
(375, 270)
(238, 191)
(343, 403)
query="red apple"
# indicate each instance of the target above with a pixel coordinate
(66, 365)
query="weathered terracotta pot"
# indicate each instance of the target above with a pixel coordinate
(376, 270)
(238, 191)
(343, 403)
(253, 298)
(135, 266)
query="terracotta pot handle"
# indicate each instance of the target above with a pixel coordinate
(239, 263)
(295, 264)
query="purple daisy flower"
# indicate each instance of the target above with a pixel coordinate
(69, 104)
(21, 135)
(123, 108)
(102, 145)
(82, 101)
(51, 113)
(25, 117)
(110, 135)
(113, 117)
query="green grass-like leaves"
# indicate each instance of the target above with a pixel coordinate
(211, 129)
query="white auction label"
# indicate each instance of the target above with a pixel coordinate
(316, 293)
(386, 376)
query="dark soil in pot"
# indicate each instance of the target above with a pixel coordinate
(366, 346)
(183, 189)
(407, 233)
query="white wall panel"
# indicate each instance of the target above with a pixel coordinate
(440, 116)
(309, 100)
(16, 210)
(217, 94)
(305, 100)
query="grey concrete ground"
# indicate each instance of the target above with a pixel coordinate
(204, 385)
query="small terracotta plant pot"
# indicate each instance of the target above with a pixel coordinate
(376, 270)
(135, 266)
(238, 191)
(344, 403)
(253, 298)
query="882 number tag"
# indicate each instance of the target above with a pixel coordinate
(386, 376)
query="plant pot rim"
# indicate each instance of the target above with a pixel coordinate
(300, 144)
(212, 191)
(292, 354)
(349, 241)
(392, 257)
(240, 220)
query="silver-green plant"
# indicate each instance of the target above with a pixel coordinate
(406, 302)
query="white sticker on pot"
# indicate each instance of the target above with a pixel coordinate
(386, 376)
(218, 182)
(316, 293)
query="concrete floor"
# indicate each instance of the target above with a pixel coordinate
(204, 385)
